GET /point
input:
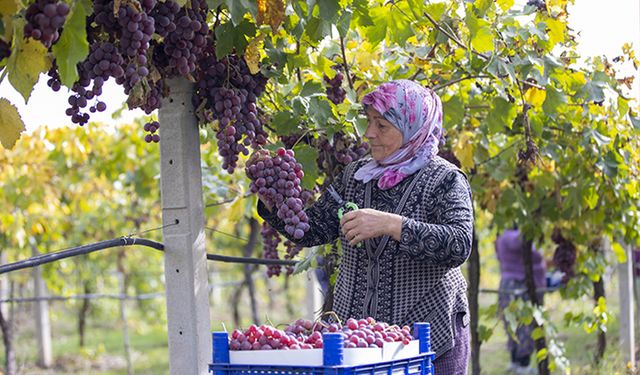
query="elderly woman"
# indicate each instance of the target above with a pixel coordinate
(415, 223)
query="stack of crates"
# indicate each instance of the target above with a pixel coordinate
(332, 357)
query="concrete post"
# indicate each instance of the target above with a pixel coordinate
(184, 238)
(627, 318)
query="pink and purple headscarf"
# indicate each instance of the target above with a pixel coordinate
(417, 112)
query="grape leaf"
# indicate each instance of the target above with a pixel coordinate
(11, 125)
(28, 60)
(229, 37)
(72, 46)
(270, 12)
(306, 156)
(252, 55)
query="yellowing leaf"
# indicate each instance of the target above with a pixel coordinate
(11, 124)
(505, 4)
(28, 60)
(464, 148)
(270, 12)
(556, 30)
(619, 251)
(252, 55)
(8, 8)
(535, 96)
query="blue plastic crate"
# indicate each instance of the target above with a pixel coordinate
(332, 358)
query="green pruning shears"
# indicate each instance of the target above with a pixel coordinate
(344, 206)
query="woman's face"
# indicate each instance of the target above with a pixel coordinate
(383, 137)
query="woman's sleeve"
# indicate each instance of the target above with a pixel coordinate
(323, 218)
(447, 242)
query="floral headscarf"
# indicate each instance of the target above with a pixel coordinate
(417, 112)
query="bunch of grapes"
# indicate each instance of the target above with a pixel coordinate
(339, 152)
(335, 92)
(45, 19)
(164, 14)
(539, 4)
(152, 127)
(564, 256)
(277, 180)
(270, 241)
(184, 46)
(306, 334)
(227, 92)
(5, 49)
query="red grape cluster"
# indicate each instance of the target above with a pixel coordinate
(335, 92)
(306, 334)
(45, 19)
(185, 45)
(564, 256)
(164, 14)
(277, 180)
(270, 241)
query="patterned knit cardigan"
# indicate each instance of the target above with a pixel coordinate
(416, 279)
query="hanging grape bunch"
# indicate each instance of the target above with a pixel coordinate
(335, 92)
(277, 180)
(270, 241)
(564, 256)
(45, 19)
(227, 92)
(339, 152)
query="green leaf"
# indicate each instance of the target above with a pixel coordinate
(484, 333)
(229, 37)
(344, 22)
(320, 111)
(482, 6)
(285, 123)
(361, 13)
(329, 9)
(553, 100)
(238, 8)
(307, 262)
(28, 59)
(307, 156)
(311, 88)
(590, 197)
(11, 125)
(378, 31)
(317, 29)
(453, 112)
(72, 47)
(481, 34)
(500, 116)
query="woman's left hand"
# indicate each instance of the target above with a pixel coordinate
(366, 223)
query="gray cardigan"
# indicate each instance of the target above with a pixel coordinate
(416, 279)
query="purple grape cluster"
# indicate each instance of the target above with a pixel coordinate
(341, 151)
(185, 45)
(45, 19)
(277, 180)
(306, 334)
(164, 15)
(564, 257)
(539, 4)
(151, 128)
(104, 61)
(270, 241)
(227, 92)
(5, 49)
(335, 92)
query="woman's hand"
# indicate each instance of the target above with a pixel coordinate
(366, 223)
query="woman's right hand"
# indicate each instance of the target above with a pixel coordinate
(257, 156)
